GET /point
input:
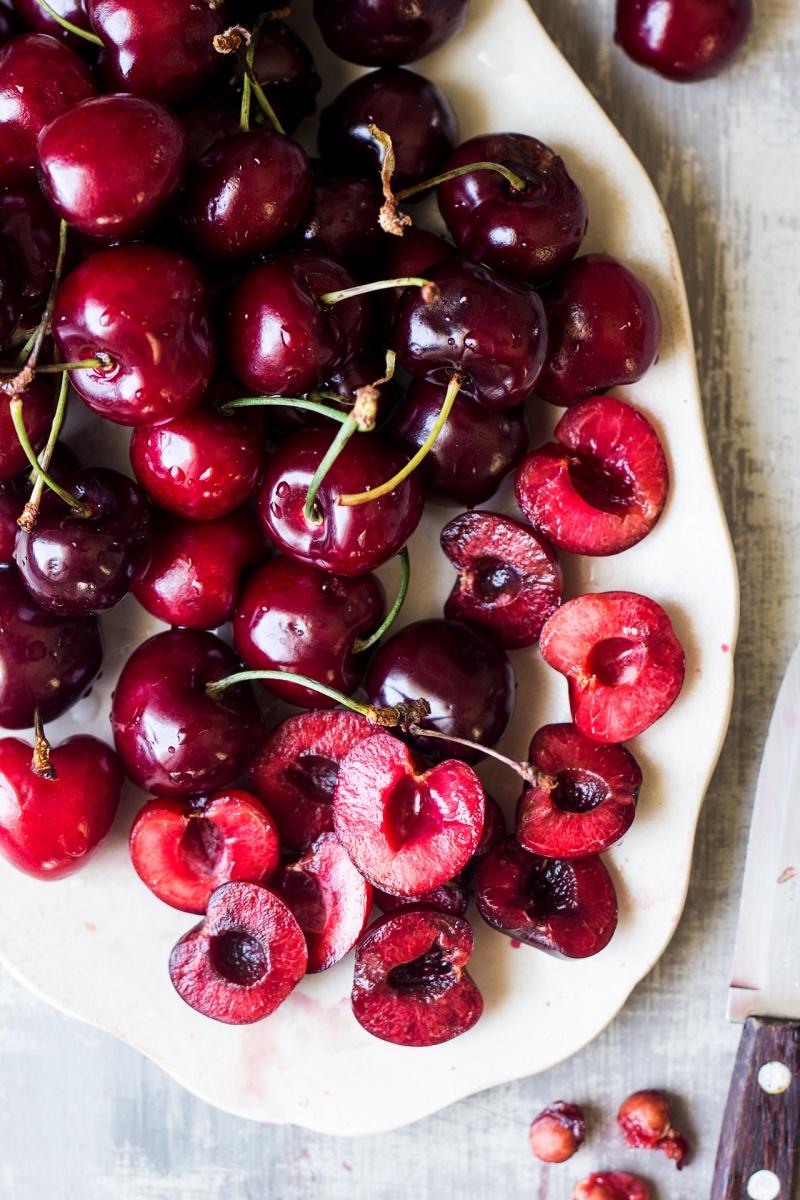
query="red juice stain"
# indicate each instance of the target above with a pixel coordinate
(515, 945)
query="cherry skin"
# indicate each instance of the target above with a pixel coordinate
(386, 33)
(30, 229)
(172, 738)
(46, 661)
(285, 69)
(146, 307)
(413, 111)
(109, 166)
(40, 78)
(38, 406)
(341, 220)
(205, 123)
(293, 617)
(202, 465)
(194, 577)
(38, 20)
(279, 339)
(413, 254)
(684, 40)
(349, 540)
(50, 828)
(10, 298)
(245, 194)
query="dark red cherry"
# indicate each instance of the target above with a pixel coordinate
(245, 194)
(475, 450)
(174, 739)
(293, 617)
(9, 25)
(194, 577)
(279, 339)
(685, 40)
(285, 69)
(603, 329)
(386, 33)
(467, 680)
(349, 540)
(40, 78)
(38, 406)
(447, 898)
(14, 493)
(205, 123)
(74, 564)
(341, 220)
(30, 229)
(202, 465)
(109, 166)
(46, 661)
(413, 254)
(10, 298)
(489, 329)
(145, 307)
(413, 111)
(38, 20)
(531, 234)
(162, 49)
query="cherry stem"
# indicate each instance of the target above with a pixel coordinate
(29, 339)
(81, 33)
(40, 763)
(362, 644)
(24, 377)
(351, 499)
(244, 117)
(524, 769)
(429, 289)
(78, 508)
(230, 406)
(230, 42)
(30, 512)
(101, 360)
(517, 184)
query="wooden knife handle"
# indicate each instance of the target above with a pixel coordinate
(761, 1126)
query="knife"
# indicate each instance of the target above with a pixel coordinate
(759, 1146)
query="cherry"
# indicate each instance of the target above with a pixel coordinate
(293, 617)
(341, 220)
(488, 329)
(601, 487)
(467, 680)
(684, 40)
(509, 579)
(185, 849)
(40, 78)
(567, 908)
(646, 1123)
(386, 33)
(38, 406)
(146, 308)
(329, 898)
(586, 800)
(172, 737)
(616, 1185)
(31, 232)
(279, 338)
(245, 194)
(360, 371)
(528, 234)
(413, 111)
(284, 68)
(14, 493)
(38, 20)
(205, 123)
(243, 960)
(9, 25)
(557, 1132)
(411, 986)
(77, 564)
(10, 298)
(447, 898)
(296, 769)
(413, 254)
(53, 824)
(46, 661)
(162, 49)
(622, 660)
(194, 577)
(110, 165)
(349, 540)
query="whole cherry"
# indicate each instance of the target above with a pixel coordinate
(684, 40)
(31, 232)
(38, 20)
(413, 254)
(341, 221)
(383, 33)
(9, 25)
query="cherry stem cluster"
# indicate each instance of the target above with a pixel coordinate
(81, 33)
(362, 644)
(230, 42)
(247, 87)
(30, 512)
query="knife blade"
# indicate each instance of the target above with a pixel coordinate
(759, 1146)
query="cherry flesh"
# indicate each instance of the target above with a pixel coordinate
(386, 33)
(193, 579)
(567, 908)
(185, 849)
(413, 255)
(46, 661)
(40, 78)
(50, 828)
(623, 663)
(172, 738)
(646, 1123)
(349, 540)
(341, 220)
(38, 406)
(74, 565)
(447, 898)
(684, 40)
(413, 111)
(614, 1185)
(467, 680)
(145, 307)
(295, 771)
(293, 617)
(488, 329)
(509, 579)
(329, 898)
(243, 960)
(557, 1132)
(38, 20)
(283, 66)
(30, 229)
(411, 986)
(589, 800)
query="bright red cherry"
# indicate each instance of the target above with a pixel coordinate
(38, 406)
(385, 33)
(685, 40)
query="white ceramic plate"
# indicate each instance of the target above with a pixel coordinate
(97, 945)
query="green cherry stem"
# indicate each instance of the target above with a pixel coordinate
(247, 87)
(524, 769)
(230, 406)
(517, 184)
(230, 42)
(80, 509)
(101, 361)
(81, 33)
(27, 347)
(429, 289)
(30, 512)
(362, 644)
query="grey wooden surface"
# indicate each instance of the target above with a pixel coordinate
(85, 1116)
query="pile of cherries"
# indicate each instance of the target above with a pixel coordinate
(169, 248)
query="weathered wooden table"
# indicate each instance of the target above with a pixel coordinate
(83, 1116)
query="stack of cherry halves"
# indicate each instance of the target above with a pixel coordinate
(170, 246)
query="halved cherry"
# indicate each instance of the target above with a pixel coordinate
(448, 898)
